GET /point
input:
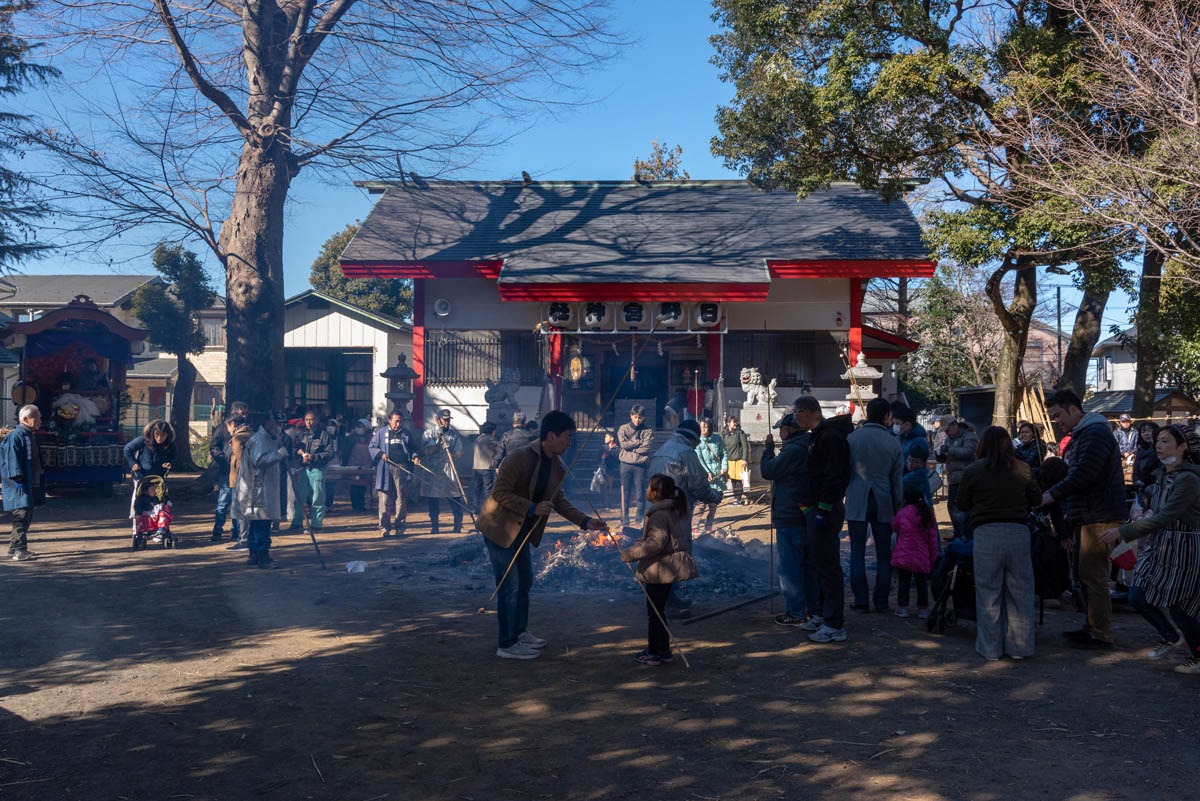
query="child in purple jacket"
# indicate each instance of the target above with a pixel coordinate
(916, 550)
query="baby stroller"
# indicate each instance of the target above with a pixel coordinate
(152, 514)
(953, 587)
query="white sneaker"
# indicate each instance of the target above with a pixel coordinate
(814, 623)
(531, 640)
(828, 634)
(518, 650)
(1191, 666)
(1162, 649)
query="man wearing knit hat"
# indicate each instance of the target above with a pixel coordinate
(677, 458)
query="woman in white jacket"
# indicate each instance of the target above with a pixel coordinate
(257, 497)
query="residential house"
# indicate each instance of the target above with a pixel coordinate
(1116, 362)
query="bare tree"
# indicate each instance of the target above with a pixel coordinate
(1134, 165)
(219, 106)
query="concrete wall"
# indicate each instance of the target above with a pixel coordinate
(1118, 370)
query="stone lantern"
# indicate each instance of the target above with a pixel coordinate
(400, 377)
(862, 378)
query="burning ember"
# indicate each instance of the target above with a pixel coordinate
(590, 562)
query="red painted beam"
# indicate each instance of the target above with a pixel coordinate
(418, 355)
(427, 269)
(856, 326)
(852, 268)
(891, 339)
(643, 291)
(556, 368)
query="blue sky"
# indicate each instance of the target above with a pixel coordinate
(662, 85)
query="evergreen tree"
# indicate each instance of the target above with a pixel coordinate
(18, 209)
(383, 295)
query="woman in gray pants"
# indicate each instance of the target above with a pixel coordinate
(997, 491)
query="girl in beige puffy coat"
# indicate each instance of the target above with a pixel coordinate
(664, 556)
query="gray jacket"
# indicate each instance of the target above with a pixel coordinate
(635, 444)
(876, 468)
(677, 459)
(958, 453)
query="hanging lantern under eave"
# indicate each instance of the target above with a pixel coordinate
(579, 368)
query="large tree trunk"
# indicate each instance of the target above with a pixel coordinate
(1149, 292)
(252, 239)
(1084, 337)
(181, 414)
(1015, 319)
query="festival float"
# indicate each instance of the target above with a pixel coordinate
(73, 365)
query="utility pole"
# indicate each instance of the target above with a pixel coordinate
(1058, 329)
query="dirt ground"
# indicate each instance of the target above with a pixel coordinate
(186, 675)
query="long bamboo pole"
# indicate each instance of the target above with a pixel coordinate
(571, 466)
(671, 637)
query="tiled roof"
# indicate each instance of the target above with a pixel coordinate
(59, 290)
(1115, 341)
(1119, 401)
(159, 365)
(691, 231)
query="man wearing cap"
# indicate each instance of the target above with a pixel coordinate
(957, 451)
(514, 438)
(873, 497)
(636, 440)
(440, 446)
(789, 471)
(677, 458)
(1126, 437)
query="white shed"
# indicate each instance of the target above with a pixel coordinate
(334, 352)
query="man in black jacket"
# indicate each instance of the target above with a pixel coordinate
(314, 446)
(220, 449)
(1093, 500)
(514, 438)
(797, 578)
(824, 508)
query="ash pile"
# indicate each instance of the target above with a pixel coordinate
(589, 562)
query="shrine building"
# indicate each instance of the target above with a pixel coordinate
(573, 283)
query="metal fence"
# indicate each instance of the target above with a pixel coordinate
(474, 357)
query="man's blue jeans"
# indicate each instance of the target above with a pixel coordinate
(797, 578)
(859, 531)
(512, 599)
(259, 539)
(224, 499)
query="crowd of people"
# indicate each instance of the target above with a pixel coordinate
(872, 478)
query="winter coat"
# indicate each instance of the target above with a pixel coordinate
(513, 439)
(1127, 439)
(677, 459)
(636, 443)
(257, 493)
(664, 552)
(876, 469)
(1182, 504)
(487, 449)
(915, 435)
(18, 472)
(1094, 489)
(918, 479)
(916, 544)
(789, 471)
(998, 496)
(510, 505)
(1145, 465)
(711, 453)
(144, 460)
(237, 450)
(829, 463)
(958, 452)
(219, 447)
(439, 480)
(1031, 453)
(318, 444)
(737, 445)
(378, 448)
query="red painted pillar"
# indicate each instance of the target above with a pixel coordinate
(418, 354)
(556, 368)
(856, 325)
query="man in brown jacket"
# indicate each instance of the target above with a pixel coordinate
(241, 434)
(528, 486)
